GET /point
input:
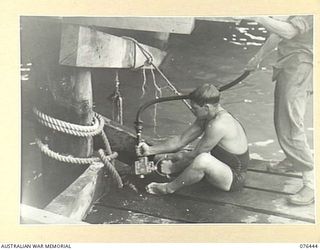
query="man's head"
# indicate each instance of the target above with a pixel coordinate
(205, 99)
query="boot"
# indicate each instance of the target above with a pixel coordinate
(305, 196)
(281, 167)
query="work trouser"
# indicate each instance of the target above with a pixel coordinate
(291, 94)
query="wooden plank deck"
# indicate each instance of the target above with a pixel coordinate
(263, 200)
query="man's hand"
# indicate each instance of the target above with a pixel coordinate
(166, 167)
(143, 149)
(160, 157)
(253, 63)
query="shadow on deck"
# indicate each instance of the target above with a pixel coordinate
(263, 200)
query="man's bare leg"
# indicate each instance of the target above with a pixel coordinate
(204, 165)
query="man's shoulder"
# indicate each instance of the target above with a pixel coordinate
(220, 123)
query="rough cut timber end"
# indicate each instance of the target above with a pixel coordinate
(86, 47)
(157, 56)
(32, 215)
(180, 25)
(75, 201)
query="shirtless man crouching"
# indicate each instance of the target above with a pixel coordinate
(221, 155)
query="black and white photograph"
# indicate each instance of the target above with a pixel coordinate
(167, 119)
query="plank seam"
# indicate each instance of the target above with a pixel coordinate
(219, 203)
(268, 190)
(140, 212)
(259, 210)
(283, 174)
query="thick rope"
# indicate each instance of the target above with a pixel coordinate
(106, 142)
(115, 175)
(71, 159)
(68, 159)
(77, 130)
(71, 129)
(54, 122)
(43, 118)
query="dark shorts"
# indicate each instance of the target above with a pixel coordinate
(237, 163)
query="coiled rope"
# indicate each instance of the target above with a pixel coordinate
(81, 131)
(70, 128)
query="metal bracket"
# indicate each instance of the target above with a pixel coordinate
(143, 166)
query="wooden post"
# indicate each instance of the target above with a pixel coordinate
(82, 105)
(66, 93)
(71, 93)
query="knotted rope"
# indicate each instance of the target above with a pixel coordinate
(149, 61)
(81, 131)
(70, 128)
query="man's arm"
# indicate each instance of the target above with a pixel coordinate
(282, 28)
(175, 143)
(213, 133)
(270, 44)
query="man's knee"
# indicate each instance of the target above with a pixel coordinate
(202, 161)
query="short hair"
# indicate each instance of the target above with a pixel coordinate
(207, 93)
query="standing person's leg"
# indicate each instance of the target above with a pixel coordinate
(204, 165)
(281, 110)
(290, 106)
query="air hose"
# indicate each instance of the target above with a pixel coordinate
(138, 122)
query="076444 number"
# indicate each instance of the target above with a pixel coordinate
(309, 245)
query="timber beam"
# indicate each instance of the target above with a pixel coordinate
(181, 25)
(87, 47)
(218, 19)
(32, 215)
(75, 201)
